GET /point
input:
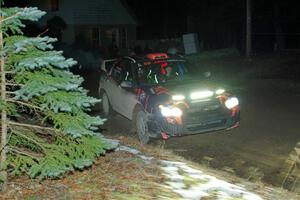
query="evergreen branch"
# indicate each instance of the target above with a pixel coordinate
(14, 84)
(42, 33)
(29, 139)
(9, 72)
(32, 155)
(32, 126)
(52, 134)
(10, 17)
(25, 104)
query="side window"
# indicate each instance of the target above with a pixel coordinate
(127, 72)
(122, 71)
(116, 74)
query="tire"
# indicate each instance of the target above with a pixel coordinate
(106, 108)
(172, 129)
(142, 127)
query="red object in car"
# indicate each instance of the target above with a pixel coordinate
(162, 67)
(157, 56)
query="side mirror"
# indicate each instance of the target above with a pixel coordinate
(126, 84)
(207, 74)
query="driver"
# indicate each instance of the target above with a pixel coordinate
(166, 69)
(169, 70)
(141, 74)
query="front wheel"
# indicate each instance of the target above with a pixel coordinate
(142, 127)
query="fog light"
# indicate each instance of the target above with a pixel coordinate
(170, 112)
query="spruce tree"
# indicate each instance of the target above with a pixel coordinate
(45, 130)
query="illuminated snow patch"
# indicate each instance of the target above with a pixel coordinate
(193, 184)
(128, 149)
(136, 152)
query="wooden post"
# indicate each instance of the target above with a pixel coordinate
(248, 30)
(3, 116)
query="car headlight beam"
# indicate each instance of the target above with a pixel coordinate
(231, 102)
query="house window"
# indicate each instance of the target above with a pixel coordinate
(54, 5)
(96, 37)
(123, 38)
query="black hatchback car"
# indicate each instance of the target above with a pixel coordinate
(163, 100)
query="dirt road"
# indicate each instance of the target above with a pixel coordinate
(269, 130)
(257, 150)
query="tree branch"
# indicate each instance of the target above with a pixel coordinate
(42, 33)
(10, 17)
(33, 126)
(29, 139)
(25, 153)
(14, 84)
(25, 104)
(10, 72)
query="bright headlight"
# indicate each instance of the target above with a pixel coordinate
(231, 102)
(178, 97)
(170, 112)
(220, 91)
(201, 94)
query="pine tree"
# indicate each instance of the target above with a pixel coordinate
(45, 130)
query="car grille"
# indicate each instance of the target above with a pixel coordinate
(207, 106)
(205, 115)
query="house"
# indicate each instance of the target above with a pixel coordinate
(97, 22)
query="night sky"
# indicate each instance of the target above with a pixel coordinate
(213, 19)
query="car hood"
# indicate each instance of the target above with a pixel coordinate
(186, 88)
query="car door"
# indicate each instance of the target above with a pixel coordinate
(112, 87)
(127, 94)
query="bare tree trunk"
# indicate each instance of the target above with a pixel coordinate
(3, 118)
(248, 30)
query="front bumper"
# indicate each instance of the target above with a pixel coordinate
(195, 123)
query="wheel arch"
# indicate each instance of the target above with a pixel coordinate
(101, 91)
(137, 107)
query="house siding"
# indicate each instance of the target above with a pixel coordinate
(82, 16)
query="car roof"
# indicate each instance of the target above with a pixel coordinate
(152, 57)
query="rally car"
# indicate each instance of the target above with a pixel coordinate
(163, 100)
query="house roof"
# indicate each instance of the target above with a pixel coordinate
(89, 12)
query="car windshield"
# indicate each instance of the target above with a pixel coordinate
(163, 71)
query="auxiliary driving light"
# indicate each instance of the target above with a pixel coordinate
(220, 91)
(201, 94)
(178, 97)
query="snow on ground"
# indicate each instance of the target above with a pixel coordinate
(193, 184)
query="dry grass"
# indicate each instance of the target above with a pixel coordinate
(121, 175)
(118, 175)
